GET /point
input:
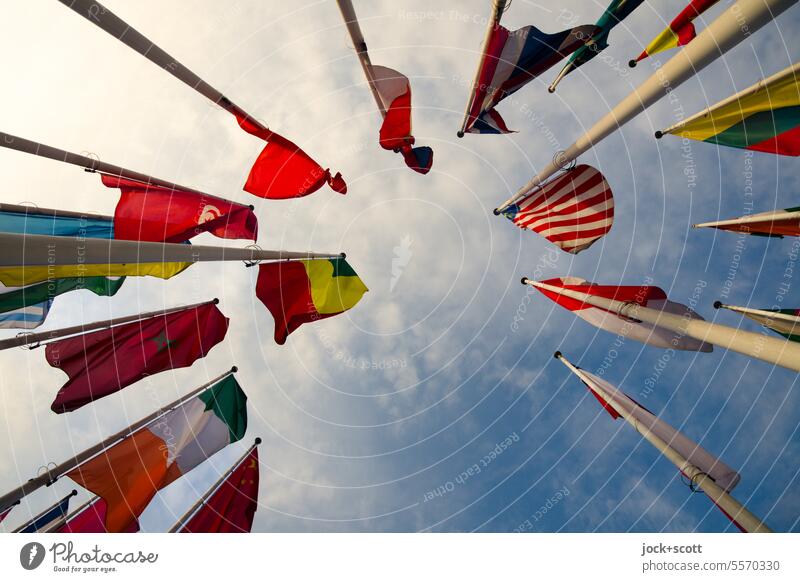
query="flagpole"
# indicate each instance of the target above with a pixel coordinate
(213, 489)
(755, 219)
(28, 250)
(33, 338)
(791, 71)
(51, 508)
(738, 22)
(52, 212)
(360, 45)
(27, 146)
(769, 349)
(770, 315)
(498, 7)
(736, 512)
(50, 476)
(103, 18)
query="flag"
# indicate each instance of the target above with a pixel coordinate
(777, 223)
(35, 222)
(572, 210)
(298, 292)
(512, 59)
(102, 362)
(129, 474)
(616, 12)
(27, 307)
(49, 517)
(4, 514)
(644, 295)
(91, 518)
(785, 322)
(233, 505)
(18, 276)
(394, 91)
(680, 31)
(490, 122)
(152, 213)
(283, 170)
(763, 118)
(696, 455)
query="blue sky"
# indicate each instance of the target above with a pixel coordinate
(364, 416)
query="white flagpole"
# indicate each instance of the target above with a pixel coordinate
(56, 524)
(790, 71)
(213, 489)
(52, 212)
(769, 315)
(735, 510)
(738, 22)
(778, 216)
(769, 349)
(351, 20)
(29, 250)
(27, 146)
(24, 339)
(103, 18)
(498, 7)
(49, 476)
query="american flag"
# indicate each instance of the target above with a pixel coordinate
(572, 211)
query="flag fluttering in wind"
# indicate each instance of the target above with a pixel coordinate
(572, 210)
(763, 118)
(644, 295)
(129, 474)
(680, 31)
(102, 362)
(27, 307)
(785, 322)
(616, 12)
(776, 223)
(298, 292)
(513, 59)
(50, 518)
(91, 518)
(232, 507)
(32, 220)
(154, 213)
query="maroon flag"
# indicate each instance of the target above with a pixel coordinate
(232, 507)
(152, 213)
(283, 170)
(92, 519)
(3, 514)
(105, 361)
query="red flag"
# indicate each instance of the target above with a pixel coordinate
(105, 361)
(232, 507)
(92, 519)
(283, 170)
(152, 213)
(5, 513)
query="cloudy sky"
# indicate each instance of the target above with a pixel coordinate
(365, 416)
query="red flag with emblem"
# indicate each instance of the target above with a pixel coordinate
(105, 361)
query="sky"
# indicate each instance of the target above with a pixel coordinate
(435, 404)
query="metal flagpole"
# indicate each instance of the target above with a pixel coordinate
(52, 212)
(59, 523)
(769, 315)
(213, 489)
(27, 146)
(738, 22)
(791, 71)
(498, 7)
(29, 250)
(51, 475)
(351, 20)
(33, 338)
(744, 220)
(769, 349)
(102, 17)
(735, 510)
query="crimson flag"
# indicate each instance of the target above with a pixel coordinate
(152, 213)
(92, 519)
(283, 170)
(233, 505)
(105, 361)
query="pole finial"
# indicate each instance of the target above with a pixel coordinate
(460, 134)
(659, 134)
(258, 440)
(496, 212)
(215, 301)
(557, 355)
(717, 304)
(524, 280)
(343, 255)
(632, 63)
(234, 369)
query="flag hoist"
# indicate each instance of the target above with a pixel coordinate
(769, 349)
(703, 470)
(734, 25)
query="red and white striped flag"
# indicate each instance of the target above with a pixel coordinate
(644, 295)
(572, 211)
